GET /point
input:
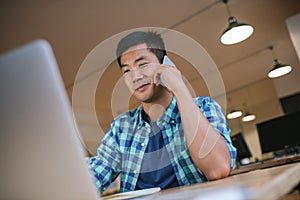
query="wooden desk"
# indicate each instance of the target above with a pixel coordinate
(267, 184)
(266, 164)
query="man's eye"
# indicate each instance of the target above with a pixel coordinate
(143, 64)
(125, 71)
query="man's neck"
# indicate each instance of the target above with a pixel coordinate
(157, 108)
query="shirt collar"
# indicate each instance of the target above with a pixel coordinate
(170, 116)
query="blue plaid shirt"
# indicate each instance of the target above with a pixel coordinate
(122, 148)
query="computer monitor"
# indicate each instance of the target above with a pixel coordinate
(241, 146)
(281, 133)
(41, 155)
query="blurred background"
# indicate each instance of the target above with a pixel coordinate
(74, 28)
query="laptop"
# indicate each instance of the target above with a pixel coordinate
(42, 156)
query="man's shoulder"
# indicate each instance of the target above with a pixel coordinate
(203, 99)
(122, 125)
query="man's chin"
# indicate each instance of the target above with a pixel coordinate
(141, 97)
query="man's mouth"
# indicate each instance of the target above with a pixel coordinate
(141, 87)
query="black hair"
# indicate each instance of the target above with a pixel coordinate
(153, 40)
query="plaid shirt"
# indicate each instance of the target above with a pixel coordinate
(122, 148)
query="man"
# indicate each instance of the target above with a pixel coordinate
(172, 139)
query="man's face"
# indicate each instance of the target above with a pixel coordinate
(138, 66)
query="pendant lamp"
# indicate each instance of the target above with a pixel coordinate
(234, 114)
(278, 69)
(236, 32)
(248, 117)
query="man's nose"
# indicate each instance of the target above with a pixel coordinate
(136, 74)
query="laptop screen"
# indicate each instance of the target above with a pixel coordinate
(41, 153)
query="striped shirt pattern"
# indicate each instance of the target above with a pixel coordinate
(123, 147)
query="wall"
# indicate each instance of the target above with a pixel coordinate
(261, 99)
(290, 84)
(293, 26)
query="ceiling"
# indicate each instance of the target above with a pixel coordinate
(75, 27)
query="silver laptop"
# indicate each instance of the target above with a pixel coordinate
(41, 154)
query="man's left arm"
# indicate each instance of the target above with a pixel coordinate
(207, 147)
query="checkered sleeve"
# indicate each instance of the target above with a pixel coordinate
(213, 112)
(105, 166)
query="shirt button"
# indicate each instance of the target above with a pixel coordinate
(172, 122)
(142, 144)
(134, 171)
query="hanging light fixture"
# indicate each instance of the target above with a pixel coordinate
(278, 69)
(236, 32)
(248, 117)
(234, 114)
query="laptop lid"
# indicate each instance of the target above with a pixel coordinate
(41, 153)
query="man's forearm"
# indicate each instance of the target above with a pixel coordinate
(207, 147)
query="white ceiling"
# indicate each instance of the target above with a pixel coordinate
(75, 27)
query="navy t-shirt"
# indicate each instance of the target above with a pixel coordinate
(156, 169)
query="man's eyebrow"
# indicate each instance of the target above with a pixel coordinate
(123, 65)
(136, 60)
(139, 59)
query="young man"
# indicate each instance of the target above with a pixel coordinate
(172, 139)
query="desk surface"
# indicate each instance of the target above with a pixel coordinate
(266, 163)
(270, 183)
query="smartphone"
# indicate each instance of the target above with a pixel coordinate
(166, 61)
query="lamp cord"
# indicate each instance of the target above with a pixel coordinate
(227, 7)
(273, 53)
